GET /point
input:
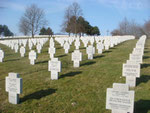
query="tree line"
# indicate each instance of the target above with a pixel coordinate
(4, 31)
(33, 21)
(127, 27)
(75, 23)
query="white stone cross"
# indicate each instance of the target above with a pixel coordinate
(136, 57)
(32, 57)
(13, 87)
(77, 44)
(66, 47)
(22, 51)
(54, 66)
(1, 55)
(90, 50)
(100, 47)
(76, 58)
(51, 44)
(131, 71)
(16, 48)
(119, 99)
(39, 47)
(30, 45)
(52, 51)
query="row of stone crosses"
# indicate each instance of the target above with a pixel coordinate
(120, 99)
(14, 82)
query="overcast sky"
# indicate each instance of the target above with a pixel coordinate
(106, 14)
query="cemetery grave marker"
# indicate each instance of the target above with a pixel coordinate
(13, 87)
(54, 66)
(51, 51)
(119, 99)
(22, 51)
(16, 48)
(38, 47)
(131, 71)
(90, 50)
(32, 57)
(1, 55)
(76, 58)
(66, 47)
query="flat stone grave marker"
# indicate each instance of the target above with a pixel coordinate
(32, 57)
(1, 55)
(13, 87)
(54, 66)
(76, 58)
(119, 99)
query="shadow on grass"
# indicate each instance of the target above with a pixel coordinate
(142, 79)
(9, 54)
(38, 94)
(142, 106)
(146, 51)
(59, 48)
(61, 55)
(99, 56)
(107, 51)
(145, 65)
(46, 51)
(82, 48)
(146, 57)
(11, 60)
(88, 63)
(146, 48)
(71, 51)
(113, 48)
(42, 62)
(70, 74)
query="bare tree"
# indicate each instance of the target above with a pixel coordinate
(116, 32)
(123, 26)
(128, 28)
(66, 26)
(32, 20)
(23, 27)
(146, 28)
(76, 12)
(72, 13)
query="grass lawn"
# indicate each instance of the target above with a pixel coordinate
(78, 90)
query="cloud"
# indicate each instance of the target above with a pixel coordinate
(55, 6)
(127, 4)
(11, 5)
